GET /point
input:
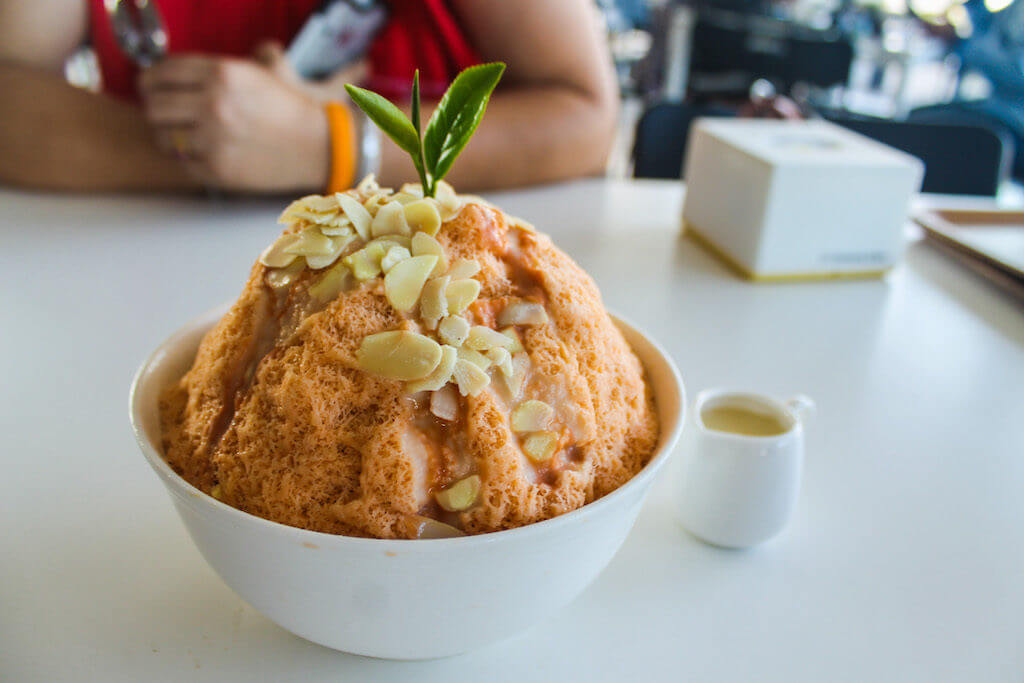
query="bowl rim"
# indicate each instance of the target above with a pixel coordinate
(189, 494)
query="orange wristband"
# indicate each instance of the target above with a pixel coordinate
(343, 147)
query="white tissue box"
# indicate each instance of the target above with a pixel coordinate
(797, 199)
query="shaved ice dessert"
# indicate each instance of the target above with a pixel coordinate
(412, 363)
(409, 367)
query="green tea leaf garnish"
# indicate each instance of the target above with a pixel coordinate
(387, 116)
(453, 123)
(457, 116)
(417, 159)
(416, 102)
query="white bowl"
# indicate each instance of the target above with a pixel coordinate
(402, 599)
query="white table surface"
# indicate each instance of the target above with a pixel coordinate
(905, 559)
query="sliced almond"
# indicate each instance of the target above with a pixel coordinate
(404, 198)
(332, 283)
(373, 203)
(433, 303)
(482, 338)
(338, 246)
(461, 495)
(275, 255)
(415, 189)
(336, 224)
(475, 357)
(517, 343)
(322, 220)
(449, 201)
(461, 293)
(502, 360)
(335, 221)
(319, 262)
(335, 228)
(423, 215)
(399, 354)
(520, 369)
(288, 216)
(531, 416)
(404, 282)
(470, 379)
(464, 268)
(393, 256)
(441, 374)
(444, 403)
(314, 208)
(523, 313)
(540, 446)
(453, 330)
(390, 220)
(365, 263)
(356, 213)
(389, 241)
(311, 242)
(320, 203)
(428, 528)
(368, 185)
(282, 277)
(423, 245)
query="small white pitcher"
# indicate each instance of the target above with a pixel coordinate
(736, 490)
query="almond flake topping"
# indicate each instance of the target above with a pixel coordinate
(399, 354)
(531, 416)
(523, 313)
(454, 330)
(461, 495)
(405, 281)
(369, 232)
(540, 446)
(390, 220)
(464, 268)
(469, 378)
(461, 293)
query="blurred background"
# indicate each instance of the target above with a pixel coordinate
(941, 79)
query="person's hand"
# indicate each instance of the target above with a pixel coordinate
(237, 124)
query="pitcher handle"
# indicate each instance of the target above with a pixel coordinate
(802, 407)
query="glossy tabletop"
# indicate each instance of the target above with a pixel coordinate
(904, 561)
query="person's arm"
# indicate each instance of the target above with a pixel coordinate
(254, 126)
(55, 136)
(250, 125)
(553, 115)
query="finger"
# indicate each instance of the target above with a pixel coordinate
(178, 141)
(272, 56)
(184, 71)
(174, 107)
(268, 52)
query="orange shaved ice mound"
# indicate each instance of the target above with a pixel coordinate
(291, 414)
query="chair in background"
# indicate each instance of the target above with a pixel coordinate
(958, 159)
(998, 115)
(659, 146)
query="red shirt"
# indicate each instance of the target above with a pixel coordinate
(419, 34)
